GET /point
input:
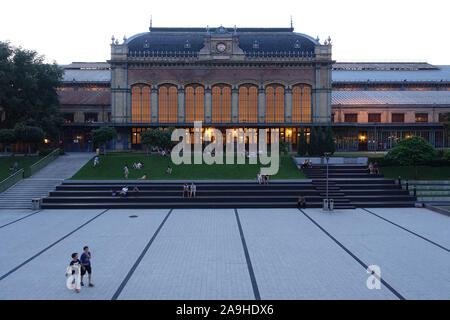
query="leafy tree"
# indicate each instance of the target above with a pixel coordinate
(302, 144)
(7, 136)
(447, 123)
(28, 93)
(29, 135)
(103, 136)
(414, 151)
(155, 138)
(328, 142)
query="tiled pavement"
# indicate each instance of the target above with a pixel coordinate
(199, 254)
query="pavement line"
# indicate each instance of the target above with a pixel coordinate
(365, 266)
(407, 230)
(29, 215)
(50, 246)
(139, 259)
(247, 258)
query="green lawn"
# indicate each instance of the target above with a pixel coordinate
(111, 168)
(424, 173)
(23, 161)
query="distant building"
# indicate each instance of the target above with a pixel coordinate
(251, 78)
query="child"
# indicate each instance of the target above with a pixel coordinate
(86, 265)
(74, 269)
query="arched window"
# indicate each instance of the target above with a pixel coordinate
(248, 103)
(274, 103)
(168, 103)
(140, 103)
(301, 103)
(221, 103)
(195, 103)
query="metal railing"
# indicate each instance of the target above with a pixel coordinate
(11, 180)
(44, 161)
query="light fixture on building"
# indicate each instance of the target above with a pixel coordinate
(46, 140)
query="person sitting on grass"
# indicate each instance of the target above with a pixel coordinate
(144, 177)
(124, 191)
(301, 202)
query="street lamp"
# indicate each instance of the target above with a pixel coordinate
(327, 157)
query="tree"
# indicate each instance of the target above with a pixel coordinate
(302, 144)
(7, 137)
(414, 151)
(328, 142)
(155, 138)
(103, 136)
(313, 147)
(447, 123)
(28, 94)
(29, 135)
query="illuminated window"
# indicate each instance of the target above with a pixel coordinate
(221, 103)
(195, 103)
(248, 103)
(398, 117)
(351, 117)
(421, 117)
(374, 117)
(140, 103)
(301, 103)
(168, 103)
(274, 103)
(136, 135)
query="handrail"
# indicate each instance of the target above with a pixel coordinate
(44, 161)
(11, 180)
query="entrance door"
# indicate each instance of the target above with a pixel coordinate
(362, 141)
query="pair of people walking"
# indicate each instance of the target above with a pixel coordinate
(78, 268)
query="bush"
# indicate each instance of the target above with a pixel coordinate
(412, 151)
(446, 154)
(62, 152)
(45, 151)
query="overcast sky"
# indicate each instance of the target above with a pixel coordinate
(380, 30)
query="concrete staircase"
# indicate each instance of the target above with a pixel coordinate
(43, 182)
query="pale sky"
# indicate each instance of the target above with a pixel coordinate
(380, 30)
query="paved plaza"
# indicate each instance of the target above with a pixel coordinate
(227, 253)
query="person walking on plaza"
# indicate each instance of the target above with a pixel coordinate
(74, 270)
(126, 171)
(86, 265)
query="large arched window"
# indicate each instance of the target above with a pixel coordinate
(195, 103)
(248, 103)
(221, 103)
(301, 103)
(274, 103)
(140, 103)
(168, 103)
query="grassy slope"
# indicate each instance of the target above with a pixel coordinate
(24, 162)
(424, 173)
(111, 168)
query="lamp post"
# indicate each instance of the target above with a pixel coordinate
(327, 157)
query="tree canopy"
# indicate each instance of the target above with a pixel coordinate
(104, 135)
(28, 94)
(157, 138)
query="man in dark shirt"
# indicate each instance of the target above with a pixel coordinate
(86, 265)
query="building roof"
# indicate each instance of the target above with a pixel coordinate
(253, 41)
(87, 76)
(390, 97)
(88, 66)
(81, 96)
(351, 66)
(438, 74)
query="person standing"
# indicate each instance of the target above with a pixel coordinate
(193, 190)
(185, 190)
(259, 177)
(126, 171)
(74, 269)
(86, 265)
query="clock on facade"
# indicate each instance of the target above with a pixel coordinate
(221, 47)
